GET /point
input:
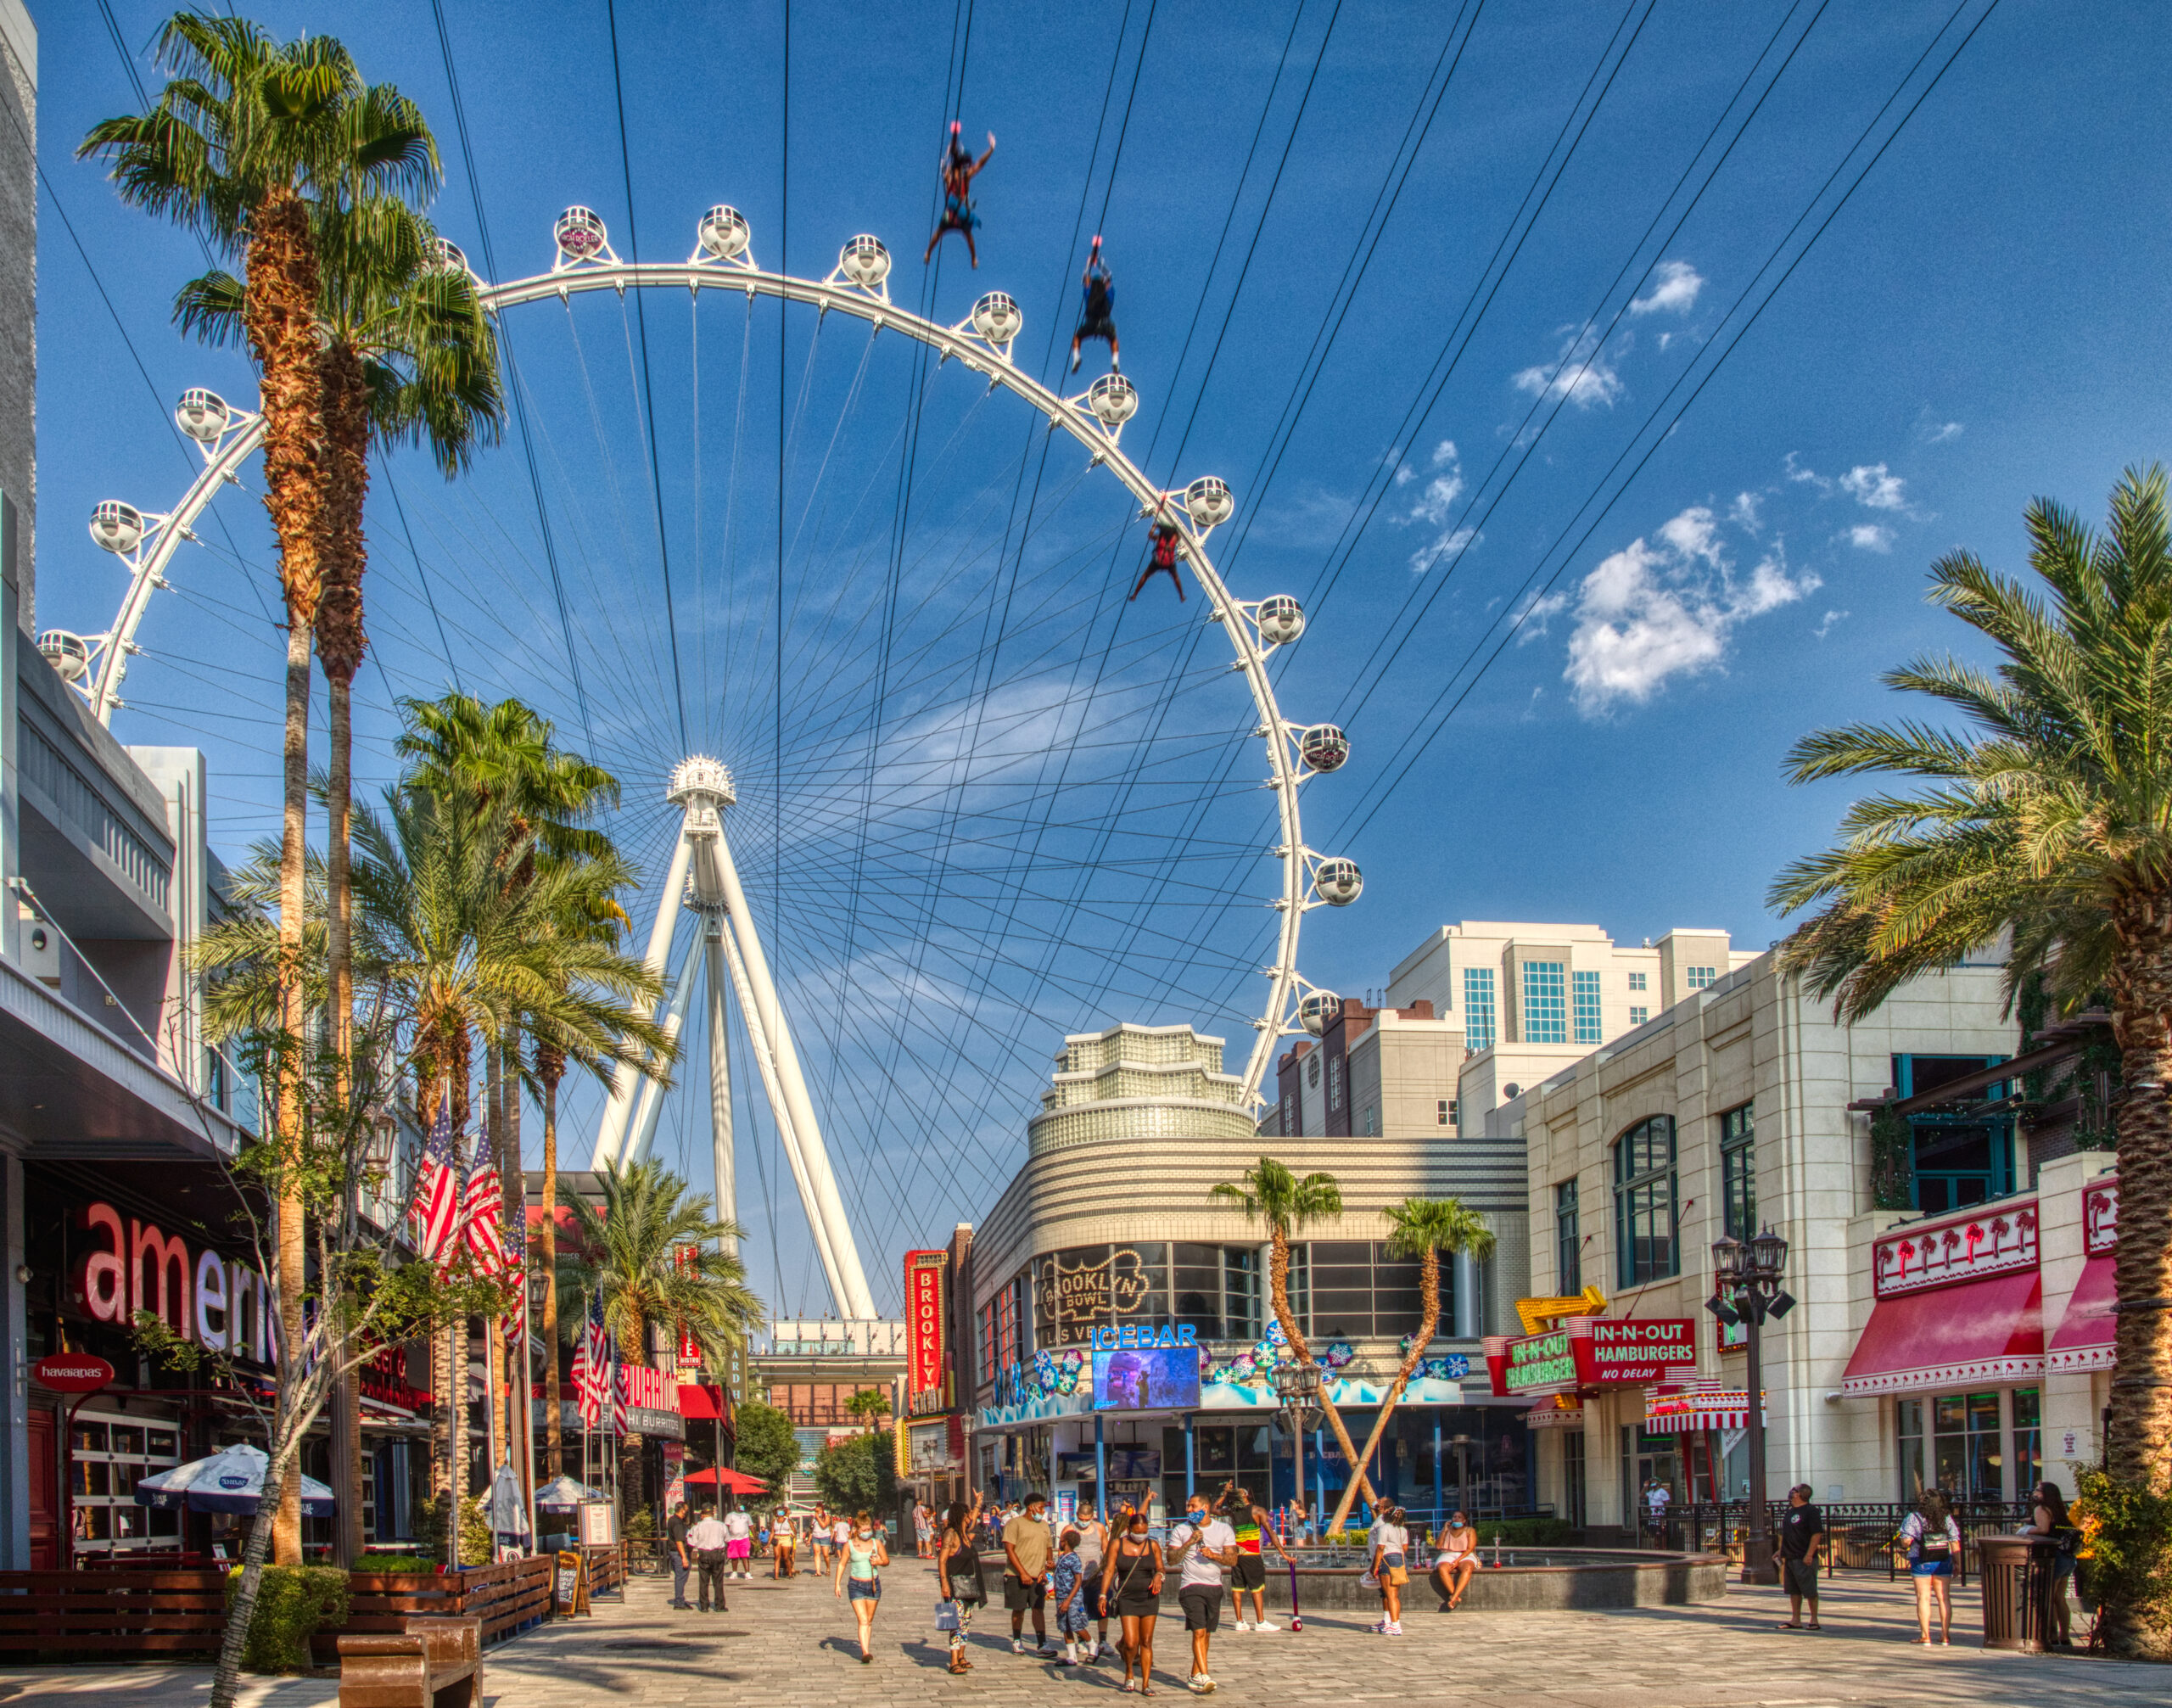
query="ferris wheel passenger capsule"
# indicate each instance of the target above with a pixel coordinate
(70, 655)
(1113, 398)
(1318, 1010)
(449, 257)
(1280, 619)
(580, 234)
(203, 415)
(723, 232)
(1324, 746)
(997, 317)
(1338, 881)
(865, 261)
(117, 527)
(1208, 501)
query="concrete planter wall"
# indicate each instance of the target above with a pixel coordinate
(1604, 1579)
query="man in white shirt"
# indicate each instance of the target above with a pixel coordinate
(739, 1543)
(1203, 1544)
(840, 1534)
(706, 1542)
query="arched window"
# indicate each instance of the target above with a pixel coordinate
(1645, 1209)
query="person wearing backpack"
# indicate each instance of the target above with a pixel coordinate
(2050, 1523)
(1933, 1540)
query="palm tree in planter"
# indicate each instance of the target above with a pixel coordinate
(2045, 818)
(247, 134)
(1422, 1227)
(656, 1253)
(1270, 1193)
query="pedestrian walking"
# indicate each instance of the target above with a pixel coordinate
(1131, 1578)
(1391, 1569)
(1068, 1589)
(739, 1541)
(675, 1541)
(1301, 1521)
(923, 1530)
(840, 1533)
(1802, 1535)
(1457, 1562)
(1254, 1530)
(2049, 1521)
(1204, 1543)
(1093, 1545)
(1657, 1498)
(707, 1542)
(1026, 1548)
(957, 1578)
(819, 1534)
(861, 1557)
(786, 1536)
(1933, 1541)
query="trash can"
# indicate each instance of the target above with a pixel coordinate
(2013, 1589)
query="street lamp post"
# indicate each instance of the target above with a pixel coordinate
(1297, 1386)
(1746, 1290)
(1461, 1444)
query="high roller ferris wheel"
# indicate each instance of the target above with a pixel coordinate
(701, 878)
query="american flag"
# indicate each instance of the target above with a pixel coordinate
(516, 1251)
(620, 1382)
(437, 1207)
(481, 1220)
(592, 1367)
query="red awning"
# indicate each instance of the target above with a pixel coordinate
(2084, 1340)
(699, 1402)
(1990, 1330)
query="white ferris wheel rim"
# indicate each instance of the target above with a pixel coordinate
(982, 344)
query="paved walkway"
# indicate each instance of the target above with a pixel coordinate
(790, 1645)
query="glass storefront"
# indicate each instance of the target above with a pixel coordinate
(1960, 1443)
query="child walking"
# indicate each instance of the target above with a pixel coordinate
(1067, 1583)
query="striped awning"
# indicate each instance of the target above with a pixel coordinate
(1688, 1408)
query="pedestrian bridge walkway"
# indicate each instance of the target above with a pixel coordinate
(790, 1645)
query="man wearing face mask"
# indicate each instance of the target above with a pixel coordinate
(1202, 1545)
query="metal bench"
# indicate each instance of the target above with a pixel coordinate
(436, 1662)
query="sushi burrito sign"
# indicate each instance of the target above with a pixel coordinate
(1589, 1353)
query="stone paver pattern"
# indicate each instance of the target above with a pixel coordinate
(791, 1645)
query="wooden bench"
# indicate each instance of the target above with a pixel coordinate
(437, 1662)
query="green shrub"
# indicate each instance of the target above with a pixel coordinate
(2125, 1554)
(292, 1602)
(395, 1562)
(1524, 1532)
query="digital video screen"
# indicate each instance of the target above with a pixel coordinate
(1146, 1379)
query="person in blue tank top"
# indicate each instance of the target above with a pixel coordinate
(861, 1561)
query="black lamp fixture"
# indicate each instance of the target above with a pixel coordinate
(1746, 1290)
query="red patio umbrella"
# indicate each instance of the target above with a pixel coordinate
(737, 1481)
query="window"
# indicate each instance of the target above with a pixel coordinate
(1567, 1241)
(988, 1342)
(1313, 1072)
(2027, 1441)
(1644, 1207)
(1290, 1114)
(1546, 1007)
(1334, 1082)
(1371, 1131)
(1477, 1008)
(1584, 987)
(1196, 1280)
(1636, 981)
(1240, 1293)
(1951, 1442)
(1960, 1158)
(1700, 977)
(1637, 1016)
(1738, 1172)
(1447, 1111)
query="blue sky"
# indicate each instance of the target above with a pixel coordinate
(1980, 323)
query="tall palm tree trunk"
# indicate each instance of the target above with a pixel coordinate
(493, 1333)
(280, 312)
(2139, 1423)
(550, 1068)
(1278, 1281)
(1429, 1321)
(520, 1411)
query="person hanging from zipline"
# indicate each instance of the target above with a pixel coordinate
(1161, 559)
(1097, 318)
(959, 169)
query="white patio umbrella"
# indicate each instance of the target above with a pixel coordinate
(508, 1511)
(230, 1481)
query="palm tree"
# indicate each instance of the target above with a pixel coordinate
(655, 1254)
(2047, 818)
(1423, 1228)
(1270, 1193)
(248, 133)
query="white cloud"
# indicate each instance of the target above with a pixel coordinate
(1442, 490)
(1872, 487)
(1797, 472)
(1655, 610)
(1868, 537)
(1825, 627)
(1449, 545)
(1938, 432)
(1744, 511)
(1579, 373)
(1531, 622)
(1674, 290)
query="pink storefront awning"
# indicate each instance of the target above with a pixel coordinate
(1990, 1330)
(2083, 1339)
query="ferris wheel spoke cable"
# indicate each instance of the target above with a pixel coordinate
(1427, 730)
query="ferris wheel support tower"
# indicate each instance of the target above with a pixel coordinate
(704, 879)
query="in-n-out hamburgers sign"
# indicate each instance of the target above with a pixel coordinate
(1590, 1352)
(128, 1265)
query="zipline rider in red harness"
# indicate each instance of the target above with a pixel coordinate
(1162, 561)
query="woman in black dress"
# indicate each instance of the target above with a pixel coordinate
(958, 1574)
(1131, 1579)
